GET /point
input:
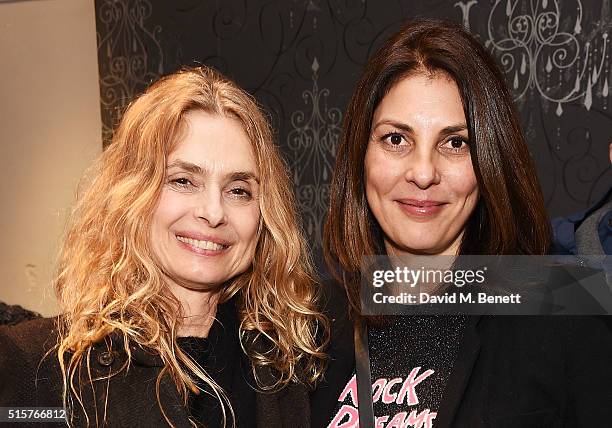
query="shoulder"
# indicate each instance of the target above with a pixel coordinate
(30, 375)
(334, 304)
(27, 341)
(31, 336)
(604, 231)
(24, 360)
(559, 329)
(564, 228)
(341, 353)
(580, 346)
(333, 301)
(554, 362)
(14, 314)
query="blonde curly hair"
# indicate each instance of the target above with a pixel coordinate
(108, 279)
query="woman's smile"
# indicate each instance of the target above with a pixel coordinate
(421, 209)
(207, 246)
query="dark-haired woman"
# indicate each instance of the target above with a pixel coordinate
(432, 162)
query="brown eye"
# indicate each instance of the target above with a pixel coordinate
(181, 182)
(456, 143)
(395, 139)
(240, 192)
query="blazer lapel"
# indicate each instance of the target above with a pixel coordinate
(460, 375)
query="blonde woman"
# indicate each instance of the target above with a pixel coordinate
(186, 292)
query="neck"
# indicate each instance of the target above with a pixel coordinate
(199, 310)
(414, 260)
(451, 250)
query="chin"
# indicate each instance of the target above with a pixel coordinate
(204, 281)
(418, 246)
(425, 250)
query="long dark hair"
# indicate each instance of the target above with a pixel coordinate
(509, 218)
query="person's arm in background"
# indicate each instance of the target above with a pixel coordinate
(14, 314)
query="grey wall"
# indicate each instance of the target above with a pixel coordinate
(301, 60)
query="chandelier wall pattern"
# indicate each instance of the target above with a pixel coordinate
(130, 56)
(301, 59)
(312, 145)
(543, 47)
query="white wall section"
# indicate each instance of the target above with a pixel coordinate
(49, 133)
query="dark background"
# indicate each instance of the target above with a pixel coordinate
(302, 59)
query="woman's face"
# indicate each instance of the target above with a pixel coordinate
(419, 179)
(204, 229)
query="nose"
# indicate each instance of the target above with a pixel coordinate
(422, 168)
(210, 208)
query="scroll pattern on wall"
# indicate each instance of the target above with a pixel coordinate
(301, 60)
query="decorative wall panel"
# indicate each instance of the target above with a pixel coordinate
(301, 60)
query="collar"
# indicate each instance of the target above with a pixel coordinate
(110, 351)
(564, 228)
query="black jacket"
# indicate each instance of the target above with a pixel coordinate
(511, 371)
(28, 378)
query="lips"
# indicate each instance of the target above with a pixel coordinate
(420, 208)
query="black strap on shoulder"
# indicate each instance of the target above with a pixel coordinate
(364, 375)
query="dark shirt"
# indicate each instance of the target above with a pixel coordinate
(511, 371)
(221, 356)
(411, 359)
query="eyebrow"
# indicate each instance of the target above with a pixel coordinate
(447, 130)
(243, 176)
(453, 128)
(198, 170)
(187, 166)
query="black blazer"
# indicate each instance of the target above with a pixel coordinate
(29, 379)
(511, 371)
